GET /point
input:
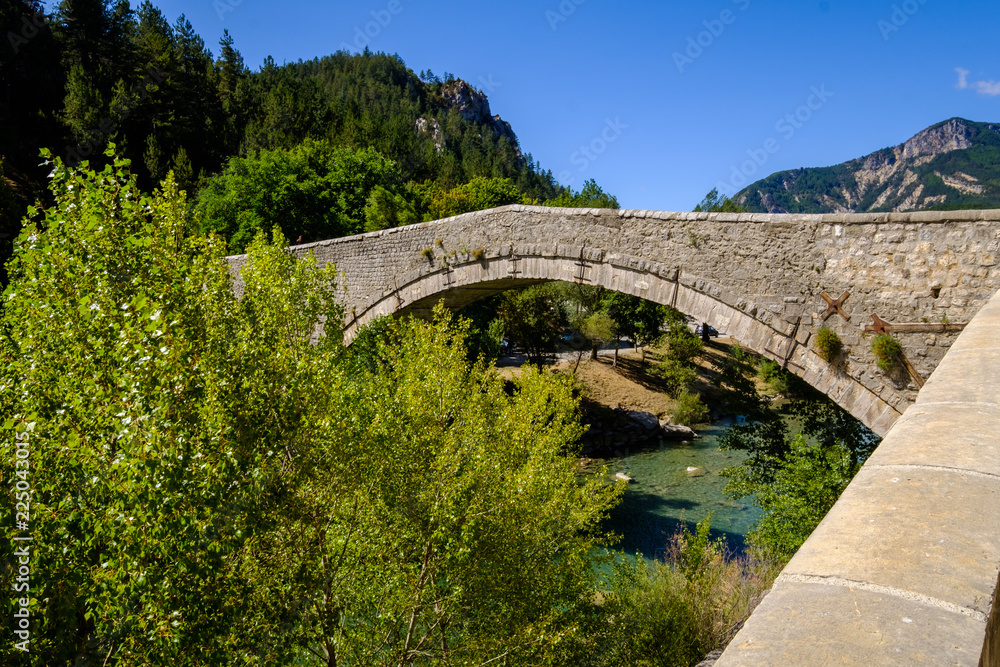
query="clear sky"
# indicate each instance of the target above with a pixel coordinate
(661, 101)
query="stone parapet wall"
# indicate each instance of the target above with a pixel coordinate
(904, 568)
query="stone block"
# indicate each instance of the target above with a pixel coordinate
(669, 273)
(960, 378)
(806, 623)
(928, 532)
(956, 437)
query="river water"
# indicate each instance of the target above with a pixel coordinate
(665, 496)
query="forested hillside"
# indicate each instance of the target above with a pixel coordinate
(98, 71)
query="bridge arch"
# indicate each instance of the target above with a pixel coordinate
(465, 279)
(765, 279)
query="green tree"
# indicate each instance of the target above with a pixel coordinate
(600, 330)
(478, 194)
(592, 196)
(677, 376)
(315, 191)
(760, 430)
(805, 487)
(442, 520)
(638, 319)
(717, 203)
(160, 411)
(213, 483)
(534, 320)
(794, 476)
(682, 344)
(386, 209)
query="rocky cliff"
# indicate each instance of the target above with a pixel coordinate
(951, 165)
(474, 107)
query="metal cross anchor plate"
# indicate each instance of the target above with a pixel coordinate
(835, 306)
(880, 326)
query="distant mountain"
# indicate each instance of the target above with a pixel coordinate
(952, 165)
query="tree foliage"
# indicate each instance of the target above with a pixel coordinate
(718, 203)
(478, 194)
(600, 329)
(215, 484)
(805, 487)
(92, 71)
(676, 612)
(314, 191)
(638, 319)
(592, 196)
(534, 320)
(794, 476)
(155, 403)
(455, 531)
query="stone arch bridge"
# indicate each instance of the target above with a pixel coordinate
(768, 281)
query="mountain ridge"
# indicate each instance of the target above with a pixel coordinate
(950, 165)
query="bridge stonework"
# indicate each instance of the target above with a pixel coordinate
(758, 278)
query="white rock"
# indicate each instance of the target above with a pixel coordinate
(679, 432)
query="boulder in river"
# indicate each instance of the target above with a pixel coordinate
(646, 420)
(677, 432)
(625, 477)
(693, 471)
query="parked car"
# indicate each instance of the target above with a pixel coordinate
(712, 331)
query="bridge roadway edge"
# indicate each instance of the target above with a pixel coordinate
(904, 568)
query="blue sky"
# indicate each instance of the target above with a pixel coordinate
(661, 101)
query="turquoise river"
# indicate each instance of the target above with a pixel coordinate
(665, 495)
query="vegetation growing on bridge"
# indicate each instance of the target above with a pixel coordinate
(828, 344)
(888, 352)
